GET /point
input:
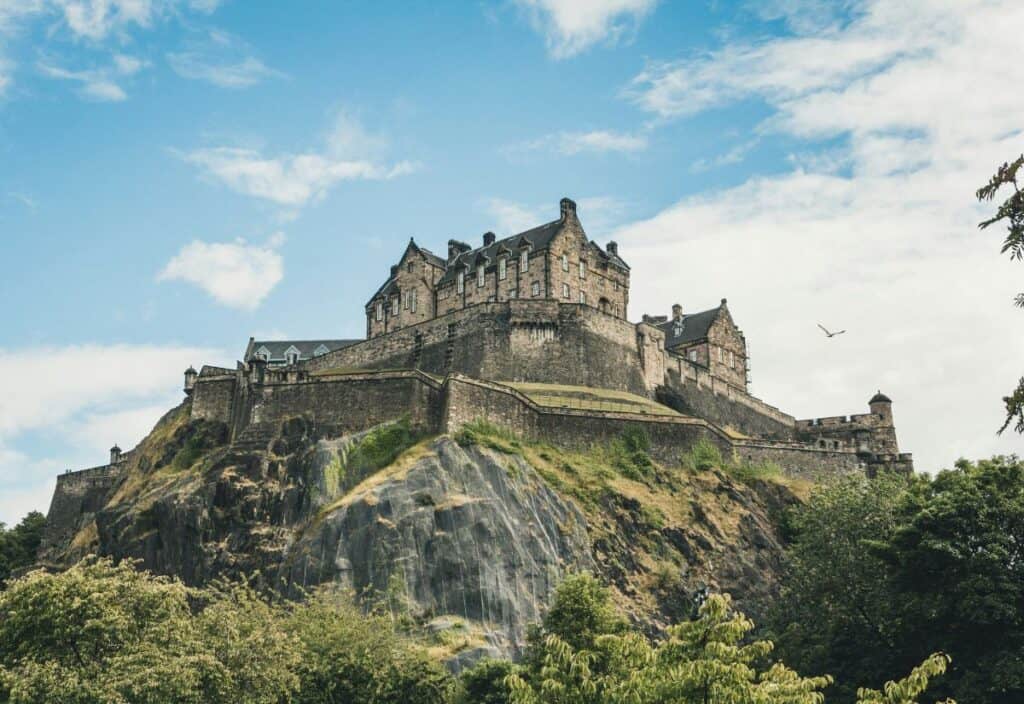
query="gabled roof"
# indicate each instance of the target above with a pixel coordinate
(306, 348)
(537, 238)
(694, 327)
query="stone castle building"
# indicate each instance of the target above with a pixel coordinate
(530, 332)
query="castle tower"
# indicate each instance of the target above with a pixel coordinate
(190, 380)
(115, 454)
(881, 405)
(884, 435)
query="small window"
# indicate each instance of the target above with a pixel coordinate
(693, 355)
(524, 261)
(502, 268)
(460, 280)
(412, 300)
(583, 297)
(616, 287)
(480, 276)
(513, 293)
(380, 310)
(583, 269)
(565, 262)
(394, 306)
(408, 267)
(535, 288)
(565, 291)
(292, 357)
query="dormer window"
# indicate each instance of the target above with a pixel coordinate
(291, 355)
(320, 350)
(480, 276)
(524, 261)
(502, 268)
(565, 262)
(263, 353)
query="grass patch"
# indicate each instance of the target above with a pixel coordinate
(486, 434)
(629, 454)
(703, 456)
(378, 448)
(748, 472)
(589, 399)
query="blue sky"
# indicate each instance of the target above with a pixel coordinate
(176, 176)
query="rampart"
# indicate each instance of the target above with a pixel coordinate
(77, 496)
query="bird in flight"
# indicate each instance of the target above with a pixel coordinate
(828, 333)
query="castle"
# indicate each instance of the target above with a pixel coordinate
(529, 332)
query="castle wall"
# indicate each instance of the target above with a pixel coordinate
(351, 403)
(801, 460)
(214, 394)
(540, 341)
(693, 391)
(77, 497)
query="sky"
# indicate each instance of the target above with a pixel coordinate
(177, 175)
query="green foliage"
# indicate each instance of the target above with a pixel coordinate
(629, 453)
(749, 472)
(101, 633)
(581, 611)
(886, 571)
(486, 683)
(18, 545)
(196, 439)
(1010, 212)
(704, 455)
(487, 434)
(379, 448)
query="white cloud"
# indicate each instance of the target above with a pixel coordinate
(511, 217)
(221, 59)
(235, 274)
(572, 26)
(572, 143)
(597, 213)
(95, 20)
(63, 407)
(102, 84)
(296, 179)
(887, 245)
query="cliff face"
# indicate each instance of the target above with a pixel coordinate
(470, 532)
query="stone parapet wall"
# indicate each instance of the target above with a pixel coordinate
(799, 460)
(685, 373)
(76, 498)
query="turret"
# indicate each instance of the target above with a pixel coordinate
(881, 405)
(190, 380)
(115, 454)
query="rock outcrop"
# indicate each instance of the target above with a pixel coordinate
(470, 533)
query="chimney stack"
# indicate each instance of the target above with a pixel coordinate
(613, 248)
(488, 239)
(455, 248)
(677, 311)
(567, 208)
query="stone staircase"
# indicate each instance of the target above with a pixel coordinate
(256, 436)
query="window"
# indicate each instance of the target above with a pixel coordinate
(616, 284)
(380, 310)
(535, 288)
(408, 267)
(583, 269)
(480, 276)
(524, 261)
(565, 291)
(460, 281)
(513, 293)
(412, 300)
(502, 268)
(394, 306)
(583, 297)
(565, 262)
(693, 355)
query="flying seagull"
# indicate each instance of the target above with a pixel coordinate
(830, 334)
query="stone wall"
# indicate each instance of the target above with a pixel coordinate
(801, 460)
(213, 394)
(76, 498)
(695, 392)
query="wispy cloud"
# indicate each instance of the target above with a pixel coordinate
(735, 155)
(878, 235)
(81, 399)
(95, 20)
(235, 274)
(509, 216)
(296, 179)
(25, 200)
(570, 27)
(221, 59)
(598, 213)
(572, 143)
(100, 84)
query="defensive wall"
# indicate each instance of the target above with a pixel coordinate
(77, 496)
(352, 401)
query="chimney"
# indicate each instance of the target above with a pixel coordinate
(677, 311)
(613, 248)
(567, 208)
(394, 270)
(115, 454)
(488, 239)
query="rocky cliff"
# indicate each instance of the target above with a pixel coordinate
(467, 533)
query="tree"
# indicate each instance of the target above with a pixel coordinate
(1011, 211)
(709, 660)
(884, 572)
(18, 546)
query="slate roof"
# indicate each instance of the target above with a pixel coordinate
(306, 348)
(880, 398)
(537, 238)
(695, 327)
